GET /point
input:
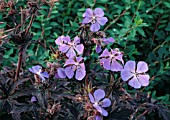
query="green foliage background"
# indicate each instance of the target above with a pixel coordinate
(140, 29)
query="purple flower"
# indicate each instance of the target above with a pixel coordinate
(99, 94)
(62, 39)
(33, 99)
(95, 18)
(60, 73)
(98, 117)
(102, 42)
(75, 65)
(38, 70)
(71, 46)
(135, 75)
(112, 60)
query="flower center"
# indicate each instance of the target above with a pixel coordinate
(96, 103)
(93, 19)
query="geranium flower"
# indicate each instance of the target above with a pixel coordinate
(62, 39)
(95, 18)
(71, 46)
(75, 65)
(102, 42)
(109, 60)
(96, 98)
(60, 73)
(136, 75)
(38, 71)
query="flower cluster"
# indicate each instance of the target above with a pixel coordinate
(112, 60)
(70, 47)
(74, 63)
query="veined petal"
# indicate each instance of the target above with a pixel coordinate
(61, 73)
(130, 65)
(102, 20)
(64, 48)
(134, 83)
(58, 41)
(70, 61)
(88, 13)
(101, 110)
(105, 53)
(106, 63)
(144, 80)
(87, 20)
(115, 66)
(98, 12)
(99, 94)
(106, 102)
(76, 40)
(94, 27)
(69, 71)
(80, 72)
(79, 48)
(142, 67)
(71, 53)
(91, 98)
(126, 74)
(66, 39)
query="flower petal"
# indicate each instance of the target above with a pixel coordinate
(98, 48)
(76, 40)
(61, 73)
(106, 63)
(108, 40)
(106, 102)
(79, 48)
(80, 72)
(70, 61)
(66, 39)
(91, 98)
(101, 110)
(69, 71)
(45, 74)
(126, 74)
(71, 53)
(95, 27)
(98, 117)
(115, 66)
(98, 12)
(134, 83)
(144, 80)
(79, 59)
(98, 94)
(87, 20)
(88, 13)
(130, 65)
(64, 48)
(102, 20)
(142, 67)
(105, 53)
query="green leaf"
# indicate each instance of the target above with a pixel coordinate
(167, 4)
(36, 25)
